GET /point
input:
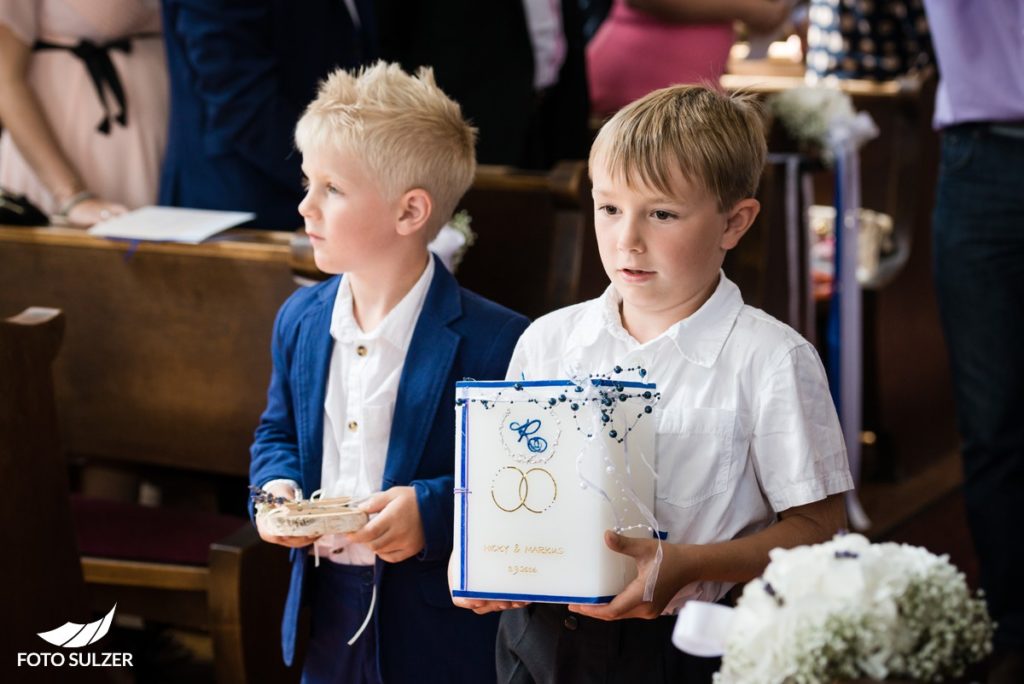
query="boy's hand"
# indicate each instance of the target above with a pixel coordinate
(286, 491)
(397, 532)
(678, 568)
(478, 606)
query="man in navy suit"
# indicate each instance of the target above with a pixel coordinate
(362, 394)
(241, 73)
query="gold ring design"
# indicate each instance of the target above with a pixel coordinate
(520, 496)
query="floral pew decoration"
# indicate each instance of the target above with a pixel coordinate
(844, 610)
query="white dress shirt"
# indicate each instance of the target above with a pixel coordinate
(746, 426)
(362, 386)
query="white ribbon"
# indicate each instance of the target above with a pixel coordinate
(845, 136)
(702, 628)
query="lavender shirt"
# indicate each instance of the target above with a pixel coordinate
(980, 48)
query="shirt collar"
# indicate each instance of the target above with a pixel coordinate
(698, 338)
(396, 328)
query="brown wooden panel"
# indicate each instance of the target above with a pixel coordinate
(41, 579)
(166, 355)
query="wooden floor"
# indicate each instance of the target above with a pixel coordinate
(926, 510)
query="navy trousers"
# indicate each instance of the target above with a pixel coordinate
(979, 275)
(340, 599)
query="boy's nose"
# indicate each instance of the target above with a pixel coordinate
(629, 237)
(306, 207)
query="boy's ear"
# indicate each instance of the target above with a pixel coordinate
(738, 221)
(414, 210)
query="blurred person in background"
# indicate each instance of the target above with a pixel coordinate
(645, 45)
(84, 105)
(242, 71)
(978, 244)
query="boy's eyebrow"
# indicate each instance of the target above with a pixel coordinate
(656, 199)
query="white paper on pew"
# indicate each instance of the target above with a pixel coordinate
(169, 224)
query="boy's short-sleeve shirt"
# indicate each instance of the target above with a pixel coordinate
(746, 426)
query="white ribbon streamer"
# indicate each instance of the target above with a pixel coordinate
(845, 136)
(702, 628)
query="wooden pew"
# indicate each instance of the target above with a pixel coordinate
(535, 250)
(166, 363)
(42, 579)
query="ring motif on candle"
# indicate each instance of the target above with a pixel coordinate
(534, 489)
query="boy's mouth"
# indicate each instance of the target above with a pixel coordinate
(635, 274)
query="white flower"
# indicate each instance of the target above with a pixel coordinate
(848, 609)
(822, 116)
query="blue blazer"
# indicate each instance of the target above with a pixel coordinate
(241, 74)
(458, 334)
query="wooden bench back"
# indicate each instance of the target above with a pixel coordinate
(534, 249)
(167, 351)
(43, 585)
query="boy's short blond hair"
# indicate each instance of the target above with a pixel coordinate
(403, 127)
(715, 140)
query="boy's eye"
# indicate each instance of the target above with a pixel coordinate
(305, 182)
(663, 215)
(608, 209)
(331, 189)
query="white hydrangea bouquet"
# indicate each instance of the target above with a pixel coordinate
(822, 117)
(850, 609)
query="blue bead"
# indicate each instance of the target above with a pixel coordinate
(552, 401)
(618, 369)
(613, 434)
(647, 409)
(623, 397)
(561, 397)
(642, 372)
(574, 406)
(647, 395)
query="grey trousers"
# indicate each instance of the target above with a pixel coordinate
(546, 644)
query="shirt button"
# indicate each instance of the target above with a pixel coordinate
(361, 350)
(570, 622)
(353, 426)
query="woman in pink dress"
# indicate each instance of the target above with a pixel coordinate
(644, 45)
(84, 106)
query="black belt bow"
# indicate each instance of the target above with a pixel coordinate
(96, 57)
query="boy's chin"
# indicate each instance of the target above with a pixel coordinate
(326, 264)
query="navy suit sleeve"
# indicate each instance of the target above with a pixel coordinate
(275, 451)
(435, 495)
(229, 48)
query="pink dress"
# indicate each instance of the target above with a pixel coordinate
(123, 166)
(633, 53)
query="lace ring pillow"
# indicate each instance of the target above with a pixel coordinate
(313, 517)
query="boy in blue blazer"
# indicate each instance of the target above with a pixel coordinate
(361, 395)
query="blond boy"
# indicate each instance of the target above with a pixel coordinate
(364, 367)
(749, 453)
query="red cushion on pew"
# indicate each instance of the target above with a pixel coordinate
(112, 529)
